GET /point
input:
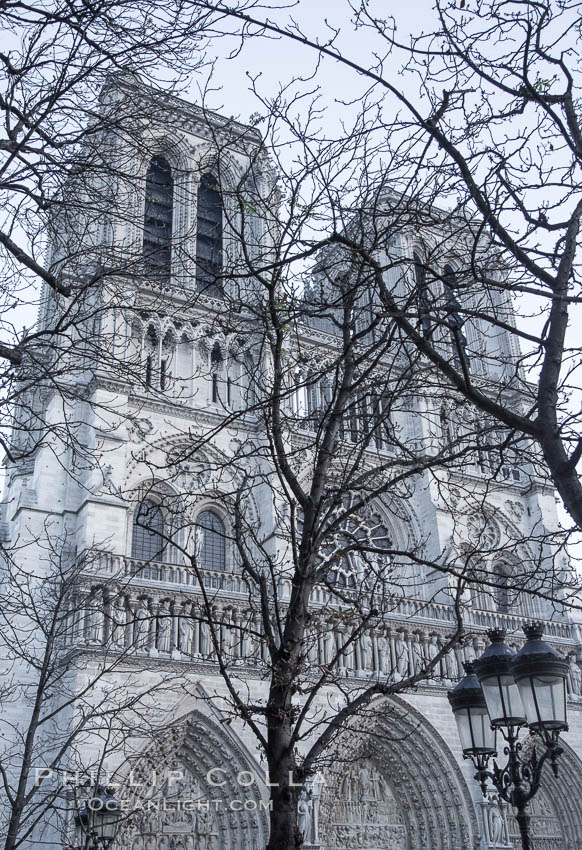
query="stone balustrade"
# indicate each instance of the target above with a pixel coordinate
(158, 623)
(149, 574)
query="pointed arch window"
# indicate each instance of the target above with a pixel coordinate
(147, 542)
(454, 318)
(159, 205)
(209, 237)
(212, 551)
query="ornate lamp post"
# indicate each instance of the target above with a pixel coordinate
(504, 691)
(99, 820)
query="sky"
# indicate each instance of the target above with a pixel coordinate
(274, 60)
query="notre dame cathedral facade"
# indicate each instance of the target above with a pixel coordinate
(137, 602)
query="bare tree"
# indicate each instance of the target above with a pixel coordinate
(67, 712)
(489, 132)
(333, 397)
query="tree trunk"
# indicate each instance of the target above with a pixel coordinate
(284, 833)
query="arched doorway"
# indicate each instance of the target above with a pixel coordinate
(396, 786)
(195, 789)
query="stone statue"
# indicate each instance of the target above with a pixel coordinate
(328, 646)
(164, 627)
(348, 652)
(433, 647)
(451, 665)
(186, 630)
(575, 675)
(304, 816)
(313, 648)
(417, 655)
(432, 651)
(470, 654)
(205, 640)
(495, 825)
(204, 825)
(366, 657)
(94, 619)
(198, 544)
(401, 655)
(142, 624)
(232, 639)
(248, 644)
(119, 621)
(383, 652)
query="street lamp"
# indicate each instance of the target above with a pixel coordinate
(99, 819)
(504, 691)
(478, 737)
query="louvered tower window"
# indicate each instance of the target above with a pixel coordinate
(209, 237)
(454, 318)
(157, 232)
(422, 296)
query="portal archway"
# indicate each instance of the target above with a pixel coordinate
(196, 787)
(406, 789)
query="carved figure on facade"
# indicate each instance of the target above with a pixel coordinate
(304, 814)
(417, 655)
(348, 653)
(432, 650)
(118, 621)
(206, 647)
(470, 653)
(495, 833)
(231, 646)
(95, 618)
(248, 644)
(164, 641)
(365, 813)
(366, 652)
(495, 825)
(383, 654)
(328, 646)
(142, 625)
(186, 630)
(451, 665)
(575, 675)
(402, 659)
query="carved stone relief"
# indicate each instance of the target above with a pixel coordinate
(544, 825)
(177, 818)
(366, 813)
